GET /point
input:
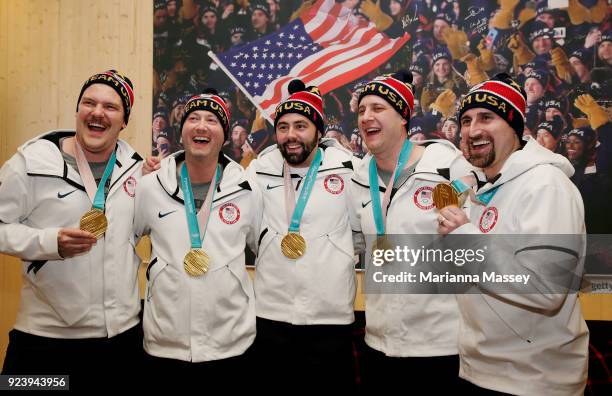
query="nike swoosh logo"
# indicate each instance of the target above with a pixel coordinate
(161, 215)
(269, 187)
(60, 195)
(363, 205)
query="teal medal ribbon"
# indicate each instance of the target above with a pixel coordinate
(377, 210)
(309, 181)
(190, 211)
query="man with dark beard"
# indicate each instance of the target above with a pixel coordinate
(529, 339)
(305, 282)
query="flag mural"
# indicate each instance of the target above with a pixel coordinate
(327, 47)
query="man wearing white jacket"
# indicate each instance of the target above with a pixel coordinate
(526, 342)
(305, 281)
(406, 334)
(199, 211)
(79, 300)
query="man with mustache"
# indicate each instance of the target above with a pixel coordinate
(391, 192)
(67, 202)
(305, 281)
(531, 339)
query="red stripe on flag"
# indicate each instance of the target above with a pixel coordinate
(346, 30)
(365, 39)
(330, 20)
(347, 77)
(312, 12)
(307, 77)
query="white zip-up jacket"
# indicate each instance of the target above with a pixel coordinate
(528, 343)
(402, 325)
(86, 296)
(212, 316)
(319, 287)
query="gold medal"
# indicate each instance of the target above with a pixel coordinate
(293, 245)
(196, 262)
(95, 222)
(445, 195)
(381, 243)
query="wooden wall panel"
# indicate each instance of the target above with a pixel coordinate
(47, 49)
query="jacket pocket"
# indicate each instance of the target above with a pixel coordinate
(231, 315)
(64, 285)
(162, 313)
(267, 236)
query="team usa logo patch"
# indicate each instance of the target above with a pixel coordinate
(488, 219)
(334, 184)
(129, 185)
(423, 198)
(229, 213)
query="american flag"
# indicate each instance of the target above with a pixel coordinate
(327, 47)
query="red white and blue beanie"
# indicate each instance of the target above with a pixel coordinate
(209, 101)
(120, 83)
(394, 88)
(503, 96)
(306, 101)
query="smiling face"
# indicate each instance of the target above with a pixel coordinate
(202, 135)
(297, 139)
(442, 69)
(534, 90)
(489, 139)
(542, 45)
(381, 127)
(575, 148)
(99, 119)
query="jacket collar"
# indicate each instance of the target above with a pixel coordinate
(270, 161)
(233, 178)
(43, 157)
(436, 161)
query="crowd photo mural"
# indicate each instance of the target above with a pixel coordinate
(560, 52)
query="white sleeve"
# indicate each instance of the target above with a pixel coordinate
(551, 251)
(256, 207)
(18, 239)
(140, 226)
(355, 219)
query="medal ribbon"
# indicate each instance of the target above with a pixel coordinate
(294, 209)
(466, 183)
(95, 193)
(194, 220)
(380, 215)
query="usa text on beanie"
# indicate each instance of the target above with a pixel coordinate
(120, 83)
(209, 101)
(503, 96)
(394, 88)
(303, 100)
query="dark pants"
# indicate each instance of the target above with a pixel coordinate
(231, 374)
(92, 363)
(292, 358)
(470, 389)
(435, 375)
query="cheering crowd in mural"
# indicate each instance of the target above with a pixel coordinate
(561, 57)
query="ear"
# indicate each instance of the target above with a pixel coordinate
(404, 121)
